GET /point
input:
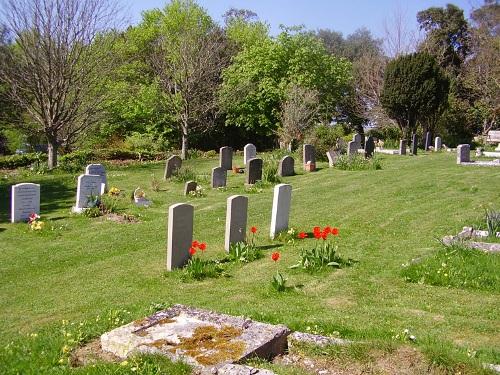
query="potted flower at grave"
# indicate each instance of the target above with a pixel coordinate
(140, 198)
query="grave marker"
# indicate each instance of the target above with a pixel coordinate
(249, 152)
(89, 185)
(226, 158)
(189, 187)
(358, 138)
(179, 235)
(308, 154)
(97, 169)
(437, 144)
(25, 200)
(352, 149)
(173, 163)
(253, 171)
(236, 220)
(219, 176)
(463, 154)
(332, 157)
(369, 147)
(402, 147)
(414, 144)
(427, 141)
(286, 166)
(281, 208)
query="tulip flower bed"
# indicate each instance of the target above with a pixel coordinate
(95, 274)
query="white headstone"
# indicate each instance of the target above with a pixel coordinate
(249, 152)
(180, 235)
(281, 208)
(89, 185)
(97, 169)
(25, 200)
(236, 220)
(437, 144)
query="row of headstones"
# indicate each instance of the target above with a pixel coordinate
(25, 197)
(180, 224)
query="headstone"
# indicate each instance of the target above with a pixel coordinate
(427, 141)
(414, 144)
(281, 208)
(219, 176)
(358, 139)
(463, 154)
(332, 157)
(25, 200)
(173, 163)
(286, 166)
(369, 147)
(402, 147)
(179, 235)
(352, 149)
(236, 220)
(308, 154)
(189, 187)
(89, 185)
(226, 158)
(253, 171)
(97, 169)
(437, 144)
(249, 152)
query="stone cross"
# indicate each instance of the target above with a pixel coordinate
(25, 200)
(179, 235)
(427, 141)
(369, 147)
(414, 144)
(281, 208)
(402, 147)
(173, 163)
(438, 144)
(189, 187)
(219, 176)
(97, 169)
(226, 158)
(286, 166)
(352, 149)
(308, 154)
(253, 171)
(236, 220)
(463, 154)
(89, 185)
(249, 152)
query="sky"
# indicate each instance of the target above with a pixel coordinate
(340, 15)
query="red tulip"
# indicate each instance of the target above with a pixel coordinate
(275, 256)
(253, 229)
(202, 246)
(192, 251)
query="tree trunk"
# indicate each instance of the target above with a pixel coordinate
(52, 154)
(184, 145)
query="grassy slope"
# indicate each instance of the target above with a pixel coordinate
(386, 218)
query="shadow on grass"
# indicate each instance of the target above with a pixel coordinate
(267, 247)
(55, 194)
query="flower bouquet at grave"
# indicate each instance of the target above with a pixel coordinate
(140, 198)
(34, 222)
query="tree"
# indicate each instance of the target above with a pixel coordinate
(255, 85)
(55, 66)
(415, 87)
(187, 52)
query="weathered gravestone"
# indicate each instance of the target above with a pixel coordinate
(332, 157)
(369, 147)
(226, 158)
(189, 187)
(249, 152)
(402, 147)
(219, 176)
(308, 154)
(173, 163)
(25, 200)
(358, 138)
(97, 169)
(236, 220)
(427, 141)
(180, 235)
(437, 144)
(352, 149)
(463, 154)
(414, 144)
(286, 166)
(253, 171)
(281, 208)
(89, 188)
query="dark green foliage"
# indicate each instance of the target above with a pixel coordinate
(22, 160)
(324, 137)
(415, 88)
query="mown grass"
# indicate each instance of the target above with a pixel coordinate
(86, 267)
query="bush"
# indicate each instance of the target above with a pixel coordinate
(389, 134)
(357, 163)
(184, 174)
(325, 137)
(22, 160)
(75, 161)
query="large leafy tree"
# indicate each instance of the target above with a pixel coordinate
(54, 69)
(256, 84)
(415, 87)
(186, 51)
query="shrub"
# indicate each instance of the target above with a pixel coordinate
(389, 134)
(75, 161)
(22, 160)
(357, 163)
(210, 154)
(324, 137)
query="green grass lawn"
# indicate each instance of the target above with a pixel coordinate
(86, 267)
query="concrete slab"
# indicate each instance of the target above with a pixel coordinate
(199, 337)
